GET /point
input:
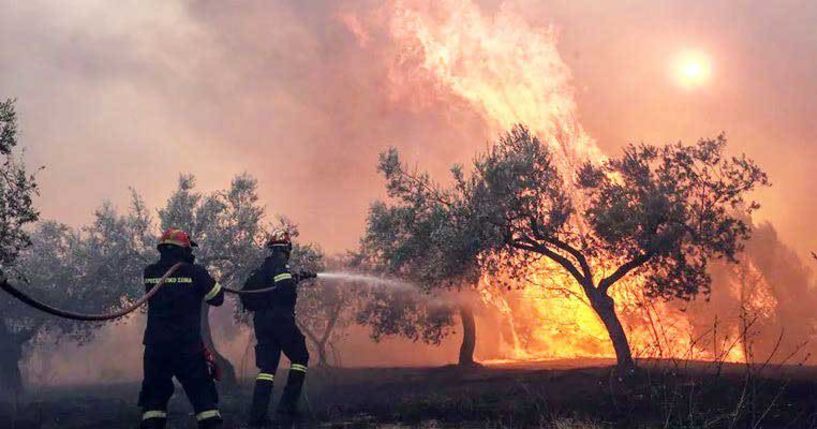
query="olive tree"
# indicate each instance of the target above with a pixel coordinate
(411, 314)
(228, 226)
(17, 190)
(421, 234)
(231, 230)
(93, 269)
(98, 267)
(659, 213)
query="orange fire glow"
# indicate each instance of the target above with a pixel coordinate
(511, 72)
(550, 318)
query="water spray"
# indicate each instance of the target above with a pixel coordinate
(339, 276)
(366, 278)
(393, 284)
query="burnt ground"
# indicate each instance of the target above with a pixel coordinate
(661, 394)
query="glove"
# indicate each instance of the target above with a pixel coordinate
(212, 366)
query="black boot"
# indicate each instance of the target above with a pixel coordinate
(288, 407)
(154, 423)
(214, 423)
(261, 397)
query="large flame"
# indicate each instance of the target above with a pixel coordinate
(550, 318)
(511, 72)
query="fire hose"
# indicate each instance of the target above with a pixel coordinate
(17, 293)
(23, 297)
(303, 275)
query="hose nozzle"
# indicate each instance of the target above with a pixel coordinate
(306, 275)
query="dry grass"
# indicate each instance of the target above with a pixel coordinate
(693, 397)
(572, 423)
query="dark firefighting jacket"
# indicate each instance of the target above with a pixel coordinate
(274, 272)
(174, 313)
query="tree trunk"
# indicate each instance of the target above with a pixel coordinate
(323, 359)
(469, 336)
(228, 377)
(318, 344)
(605, 308)
(11, 351)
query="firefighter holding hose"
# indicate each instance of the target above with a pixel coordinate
(173, 342)
(276, 331)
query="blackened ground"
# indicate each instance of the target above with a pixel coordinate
(661, 394)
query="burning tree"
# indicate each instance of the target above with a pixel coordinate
(655, 214)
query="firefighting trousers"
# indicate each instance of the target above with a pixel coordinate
(188, 364)
(277, 332)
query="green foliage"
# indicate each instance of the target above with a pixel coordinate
(675, 208)
(227, 225)
(404, 313)
(325, 308)
(98, 267)
(92, 269)
(17, 189)
(17, 212)
(8, 127)
(418, 235)
(662, 212)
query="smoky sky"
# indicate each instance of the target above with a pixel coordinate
(133, 93)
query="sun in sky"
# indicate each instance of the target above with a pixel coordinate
(692, 69)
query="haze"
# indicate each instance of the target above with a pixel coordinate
(132, 93)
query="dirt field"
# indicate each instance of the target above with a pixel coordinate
(552, 394)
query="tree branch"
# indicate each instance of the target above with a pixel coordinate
(330, 325)
(530, 246)
(540, 235)
(430, 189)
(309, 333)
(623, 270)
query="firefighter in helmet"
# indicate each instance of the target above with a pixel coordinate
(173, 342)
(276, 330)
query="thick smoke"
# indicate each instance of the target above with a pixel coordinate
(304, 95)
(141, 91)
(773, 291)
